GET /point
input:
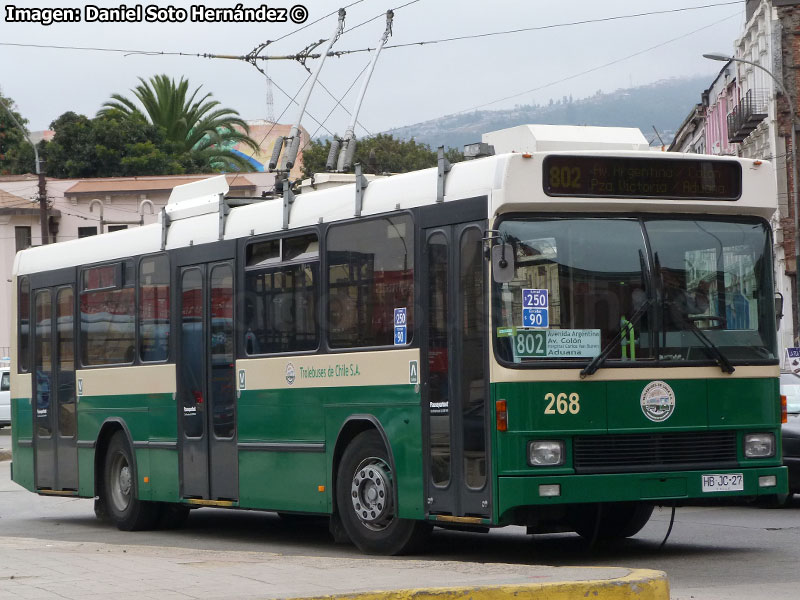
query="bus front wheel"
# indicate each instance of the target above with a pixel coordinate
(612, 521)
(365, 498)
(124, 508)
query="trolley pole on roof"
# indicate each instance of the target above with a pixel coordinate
(348, 150)
(293, 141)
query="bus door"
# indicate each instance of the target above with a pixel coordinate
(206, 391)
(54, 416)
(455, 371)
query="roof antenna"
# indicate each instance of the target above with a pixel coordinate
(293, 140)
(348, 150)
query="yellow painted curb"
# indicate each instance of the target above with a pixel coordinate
(639, 584)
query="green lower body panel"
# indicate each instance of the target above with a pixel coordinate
(652, 487)
(22, 468)
(287, 481)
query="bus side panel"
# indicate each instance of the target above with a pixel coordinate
(22, 430)
(397, 410)
(150, 416)
(164, 467)
(279, 477)
(93, 411)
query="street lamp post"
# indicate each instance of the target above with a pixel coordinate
(795, 191)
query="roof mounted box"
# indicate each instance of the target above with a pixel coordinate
(555, 138)
(196, 198)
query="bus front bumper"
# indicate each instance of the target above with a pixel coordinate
(681, 486)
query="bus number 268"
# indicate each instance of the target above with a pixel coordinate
(562, 404)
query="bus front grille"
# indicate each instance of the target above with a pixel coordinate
(622, 453)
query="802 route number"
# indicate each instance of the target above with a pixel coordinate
(562, 404)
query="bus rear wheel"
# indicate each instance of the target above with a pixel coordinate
(617, 520)
(126, 511)
(365, 500)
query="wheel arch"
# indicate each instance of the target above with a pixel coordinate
(352, 427)
(107, 430)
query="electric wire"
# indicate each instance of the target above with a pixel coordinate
(338, 103)
(403, 45)
(580, 74)
(559, 25)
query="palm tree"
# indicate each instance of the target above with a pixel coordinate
(197, 127)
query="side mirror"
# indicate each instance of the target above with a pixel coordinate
(778, 309)
(503, 263)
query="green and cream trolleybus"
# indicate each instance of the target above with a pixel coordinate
(561, 335)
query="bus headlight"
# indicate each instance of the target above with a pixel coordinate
(759, 445)
(546, 453)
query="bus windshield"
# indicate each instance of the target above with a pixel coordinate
(578, 280)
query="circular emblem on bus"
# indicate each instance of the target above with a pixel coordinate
(290, 373)
(658, 401)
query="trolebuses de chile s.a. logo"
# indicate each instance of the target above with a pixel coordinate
(658, 401)
(290, 376)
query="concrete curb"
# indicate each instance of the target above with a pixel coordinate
(5, 455)
(639, 584)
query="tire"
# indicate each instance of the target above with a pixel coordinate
(618, 520)
(365, 500)
(125, 510)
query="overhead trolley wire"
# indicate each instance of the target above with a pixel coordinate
(344, 52)
(585, 72)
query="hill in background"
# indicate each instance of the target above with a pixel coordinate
(663, 104)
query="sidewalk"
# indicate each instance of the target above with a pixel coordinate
(43, 569)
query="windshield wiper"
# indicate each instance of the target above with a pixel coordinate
(598, 360)
(722, 360)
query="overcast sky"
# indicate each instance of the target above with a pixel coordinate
(410, 84)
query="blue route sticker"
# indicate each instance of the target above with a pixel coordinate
(400, 327)
(535, 308)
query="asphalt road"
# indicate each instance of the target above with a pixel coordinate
(714, 553)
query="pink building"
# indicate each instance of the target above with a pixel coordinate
(720, 98)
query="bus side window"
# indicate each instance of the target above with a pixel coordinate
(280, 305)
(108, 309)
(154, 326)
(24, 312)
(370, 276)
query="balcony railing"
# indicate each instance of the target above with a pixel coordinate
(745, 117)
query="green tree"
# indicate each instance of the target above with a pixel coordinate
(110, 146)
(198, 126)
(380, 154)
(16, 154)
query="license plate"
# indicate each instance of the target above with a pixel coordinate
(729, 482)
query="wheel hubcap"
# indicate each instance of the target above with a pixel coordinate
(371, 493)
(121, 482)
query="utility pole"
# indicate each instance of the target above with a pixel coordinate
(42, 182)
(43, 217)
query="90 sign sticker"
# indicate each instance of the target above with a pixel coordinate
(535, 309)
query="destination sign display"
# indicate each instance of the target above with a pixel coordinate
(648, 178)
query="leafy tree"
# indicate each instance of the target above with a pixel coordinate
(380, 154)
(16, 154)
(109, 146)
(199, 127)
